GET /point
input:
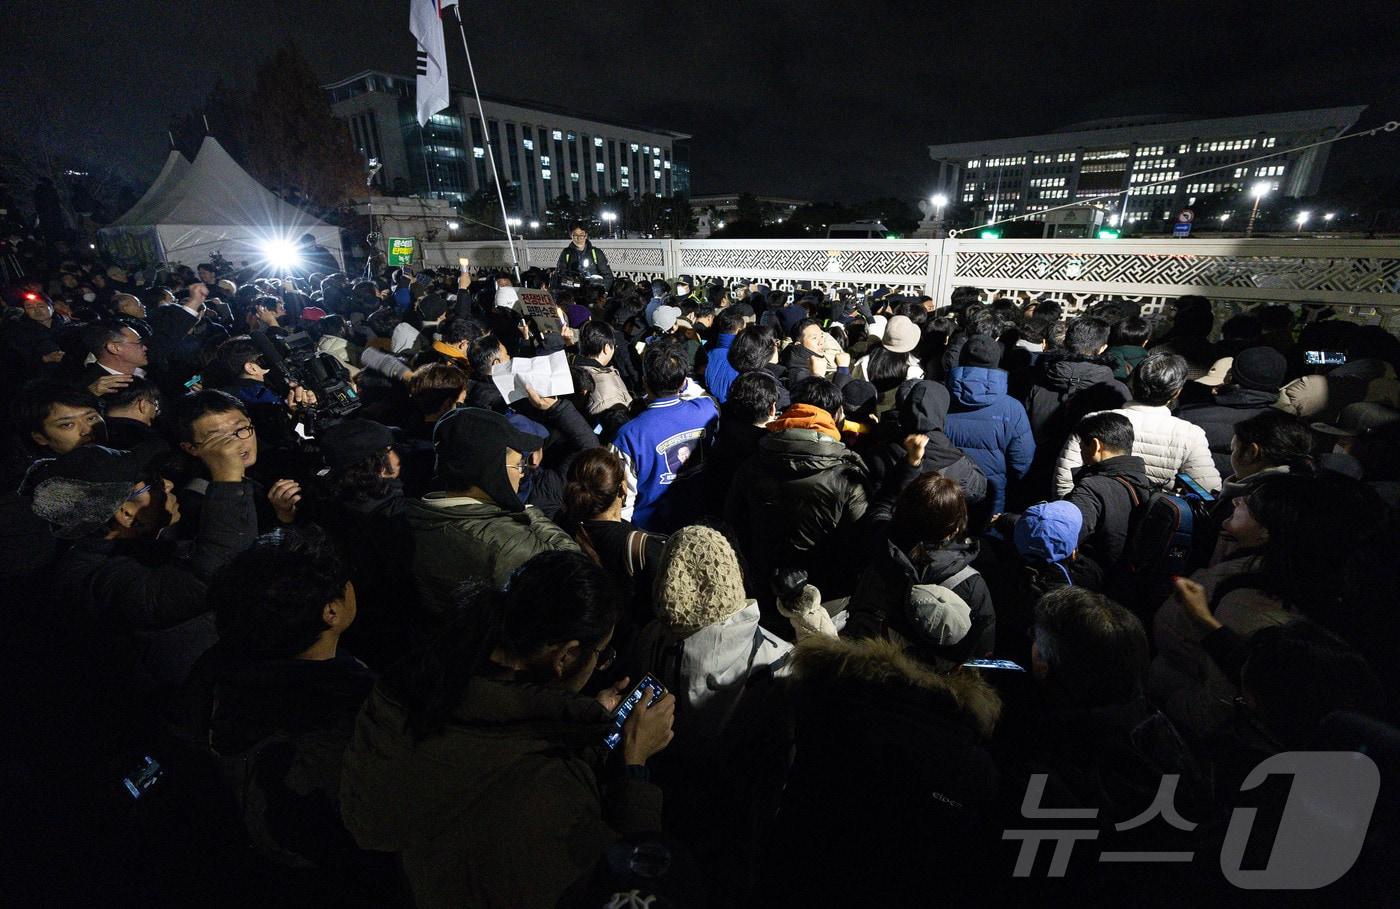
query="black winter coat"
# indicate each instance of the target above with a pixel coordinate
(1232, 404)
(1107, 505)
(796, 504)
(1067, 387)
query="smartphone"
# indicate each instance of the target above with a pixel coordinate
(1324, 357)
(462, 264)
(140, 781)
(647, 687)
(194, 381)
(995, 664)
(1194, 488)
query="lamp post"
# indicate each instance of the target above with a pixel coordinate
(610, 219)
(1301, 218)
(1258, 191)
(939, 202)
(1327, 218)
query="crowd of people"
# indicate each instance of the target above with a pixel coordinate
(308, 594)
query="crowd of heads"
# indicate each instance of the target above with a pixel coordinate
(814, 517)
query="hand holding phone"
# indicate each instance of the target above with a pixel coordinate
(462, 264)
(642, 722)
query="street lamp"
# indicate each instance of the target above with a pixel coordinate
(1329, 216)
(939, 202)
(1302, 218)
(1258, 191)
(453, 225)
(534, 225)
(610, 218)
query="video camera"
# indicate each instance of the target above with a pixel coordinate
(295, 356)
(572, 280)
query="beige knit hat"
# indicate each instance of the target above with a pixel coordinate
(699, 582)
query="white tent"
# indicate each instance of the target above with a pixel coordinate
(170, 176)
(211, 206)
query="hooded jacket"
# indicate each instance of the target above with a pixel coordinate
(707, 670)
(1103, 496)
(875, 607)
(990, 426)
(1231, 404)
(1067, 387)
(923, 408)
(458, 537)
(719, 375)
(926, 785)
(504, 808)
(795, 504)
(1167, 444)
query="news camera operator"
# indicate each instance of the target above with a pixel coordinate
(584, 259)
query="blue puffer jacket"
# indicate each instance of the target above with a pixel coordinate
(719, 375)
(990, 427)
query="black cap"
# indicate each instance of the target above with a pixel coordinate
(980, 350)
(471, 444)
(350, 441)
(922, 405)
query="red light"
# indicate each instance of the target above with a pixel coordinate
(31, 296)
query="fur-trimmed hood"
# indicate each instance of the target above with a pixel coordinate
(961, 694)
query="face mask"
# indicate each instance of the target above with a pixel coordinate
(89, 297)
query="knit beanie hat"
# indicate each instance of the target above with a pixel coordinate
(980, 350)
(699, 582)
(79, 492)
(1259, 369)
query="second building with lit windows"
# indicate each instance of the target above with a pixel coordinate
(1152, 158)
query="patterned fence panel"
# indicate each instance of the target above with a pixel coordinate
(1360, 277)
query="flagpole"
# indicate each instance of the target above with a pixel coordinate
(490, 150)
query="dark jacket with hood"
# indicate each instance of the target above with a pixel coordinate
(1068, 386)
(455, 536)
(923, 408)
(796, 504)
(504, 808)
(1232, 404)
(927, 785)
(1105, 493)
(990, 426)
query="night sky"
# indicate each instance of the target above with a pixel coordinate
(812, 100)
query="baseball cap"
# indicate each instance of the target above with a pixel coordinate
(665, 317)
(1049, 531)
(350, 441)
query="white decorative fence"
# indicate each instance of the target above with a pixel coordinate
(1360, 277)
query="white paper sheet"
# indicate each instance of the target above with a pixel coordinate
(549, 376)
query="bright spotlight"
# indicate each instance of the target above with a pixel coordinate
(939, 201)
(282, 256)
(453, 225)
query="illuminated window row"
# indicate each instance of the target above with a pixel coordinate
(1150, 178)
(1154, 164)
(1048, 181)
(1227, 145)
(1151, 150)
(1106, 155)
(1054, 194)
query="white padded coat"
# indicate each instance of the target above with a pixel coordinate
(1168, 445)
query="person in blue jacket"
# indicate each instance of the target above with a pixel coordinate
(989, 425)
(718, 372)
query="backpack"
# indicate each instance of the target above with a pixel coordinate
(1169, 535)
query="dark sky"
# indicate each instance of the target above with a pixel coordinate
(813, 100)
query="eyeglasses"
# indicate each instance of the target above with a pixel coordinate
(520, 467)
(243, 432)
(606, 656)
(139, 491)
